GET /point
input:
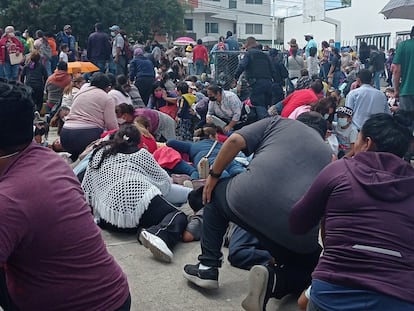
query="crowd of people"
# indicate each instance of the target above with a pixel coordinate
(294, 147)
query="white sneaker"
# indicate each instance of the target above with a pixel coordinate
(156, 245)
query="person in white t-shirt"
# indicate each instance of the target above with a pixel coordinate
(63, 55)
(345, 131)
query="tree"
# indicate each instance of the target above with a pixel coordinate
(145, 16)
(346, 2)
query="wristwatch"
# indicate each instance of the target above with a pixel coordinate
(214, 175)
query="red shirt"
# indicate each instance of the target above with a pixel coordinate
(200, 53)
(296, 99)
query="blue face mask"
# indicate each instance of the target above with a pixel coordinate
(342, 122)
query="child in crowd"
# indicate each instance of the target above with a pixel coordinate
(304, 81)
(185, 111)
(392, 103)
(345, 132)
(63, 55)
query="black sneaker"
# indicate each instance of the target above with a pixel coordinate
(261, 283)
(203, 278)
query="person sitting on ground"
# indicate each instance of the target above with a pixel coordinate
(162, 100)
(367, 205)
(125, 187)
(162, 126)
(55, 85)
(324, 106)
(119, 92)
(304, 81)
(224, 108)
(52, 254)
(71, 90)
(345, 131)
(92, 112)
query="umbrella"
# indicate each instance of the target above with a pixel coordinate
(184, 41)
(81, 67)
(403, 9)
(209, 39)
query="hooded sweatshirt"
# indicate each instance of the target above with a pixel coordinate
(367, 207)
(55, 85)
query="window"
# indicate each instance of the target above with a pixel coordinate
(232, 4)
(212, 28)
(188, 24)
(254, 29)
(254, 1)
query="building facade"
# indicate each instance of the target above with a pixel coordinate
(213, 18)
(359, 22)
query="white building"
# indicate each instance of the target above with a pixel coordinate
(244, 18)
(360, 22)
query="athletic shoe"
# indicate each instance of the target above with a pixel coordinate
(261, 282)
(203, 278)
(156, 245)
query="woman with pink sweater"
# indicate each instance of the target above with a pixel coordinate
(92, 112)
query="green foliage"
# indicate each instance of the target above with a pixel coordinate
(139, 18)
(346, 2)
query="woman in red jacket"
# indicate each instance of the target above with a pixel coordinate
(11, 49)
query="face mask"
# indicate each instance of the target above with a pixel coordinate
(158, 94)
(342, 122)
(212, 98)
(11, 34)
(326, 116)
(120, 120)
(112, 34)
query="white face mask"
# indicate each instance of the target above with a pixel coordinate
(120, 120)
(113, 34)
(342, 122)
(326, 116)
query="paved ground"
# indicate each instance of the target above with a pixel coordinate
(158, 286)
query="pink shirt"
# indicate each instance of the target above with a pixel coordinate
(52, 251)
(92, 108)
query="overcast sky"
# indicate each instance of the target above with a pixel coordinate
(293, 7)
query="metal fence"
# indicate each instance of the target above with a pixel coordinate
(223, 65)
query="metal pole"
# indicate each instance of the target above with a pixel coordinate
(273, 24)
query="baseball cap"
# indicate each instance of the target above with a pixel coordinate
(308, 34)
(115, 28)
(67, 27)
(345, 110)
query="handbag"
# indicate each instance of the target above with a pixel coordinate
(203, 166)
(14, 59)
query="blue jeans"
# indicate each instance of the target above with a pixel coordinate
(200, 67)
(377, 76)
(2, 76)
(329, 296)
(101, 64)
(11, 71)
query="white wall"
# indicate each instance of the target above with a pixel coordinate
(363, 18)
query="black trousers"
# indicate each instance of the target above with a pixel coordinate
(144, 86)
(75, 141)
(296, 268)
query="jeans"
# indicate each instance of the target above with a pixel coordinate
(101, 64)
(121, 66)
(11, 71)
(294, 268)
(377, 76)
(2, 76)
(261, 96)
(200, 67)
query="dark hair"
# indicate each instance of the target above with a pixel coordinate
(100, 80)
(120, 80)
(63, 46)
(111, 78)
(124, 108)
(125, 140)
(312, 51)
(16, 116)
(158, 84)
(215, 88)
(325, 44)
(323, 105)
(199, 41)
(365, 75)
(62, 66)
(39, 33)
(314, 120)
(99, 27)
(389, 133)
(317, 86)
(182, 87)
(205, 131)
